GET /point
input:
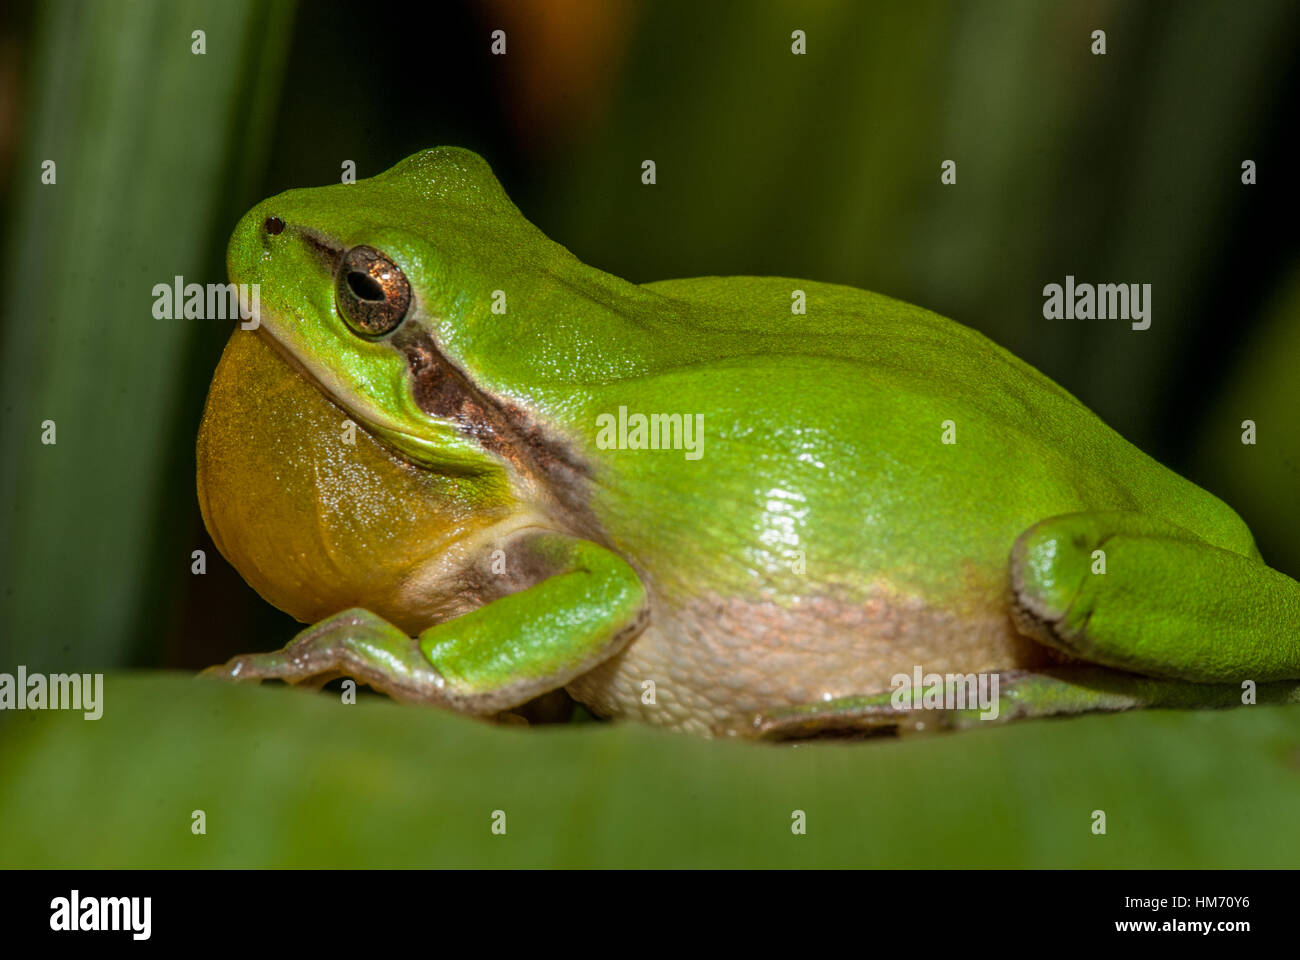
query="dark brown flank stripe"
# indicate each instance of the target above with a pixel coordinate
(441, 390)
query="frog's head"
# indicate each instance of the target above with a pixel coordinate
(354, 281)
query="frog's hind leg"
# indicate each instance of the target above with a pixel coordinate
(1009, 695)
(1180, 623)
(1140, 594)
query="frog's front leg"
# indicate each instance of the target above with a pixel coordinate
(588, 606)
(354, 643)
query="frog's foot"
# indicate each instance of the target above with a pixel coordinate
(355, 643)
(844, 717)
(962, 702)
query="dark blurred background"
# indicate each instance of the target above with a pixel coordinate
(1117, 168)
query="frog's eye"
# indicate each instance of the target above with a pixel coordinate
(371, 292)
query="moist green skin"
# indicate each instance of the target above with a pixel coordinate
(823, 474)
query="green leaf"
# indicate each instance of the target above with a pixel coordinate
(292, 779)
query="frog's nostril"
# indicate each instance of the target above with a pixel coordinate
(273, 225)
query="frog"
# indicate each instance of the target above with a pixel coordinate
(486, 475)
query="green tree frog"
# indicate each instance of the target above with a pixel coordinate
(486, 472)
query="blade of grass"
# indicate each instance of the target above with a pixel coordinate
(148, 139)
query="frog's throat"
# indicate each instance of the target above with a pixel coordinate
(399, 443)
